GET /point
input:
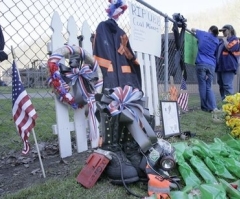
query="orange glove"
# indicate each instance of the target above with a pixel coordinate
(157, 185)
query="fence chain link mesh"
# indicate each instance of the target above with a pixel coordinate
(26, 28)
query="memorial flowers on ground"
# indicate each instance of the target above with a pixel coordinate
(231, 108)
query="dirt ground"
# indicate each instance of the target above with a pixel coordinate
(19, 171)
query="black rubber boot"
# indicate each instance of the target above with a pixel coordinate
(119, 165)
(131, 149)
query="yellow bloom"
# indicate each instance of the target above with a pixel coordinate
(227, 118)
(236, 131)
(231, 107)
(232, 104)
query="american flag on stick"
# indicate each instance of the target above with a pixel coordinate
(24, 114)
(183, 96)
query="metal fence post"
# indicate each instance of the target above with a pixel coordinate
(166, 55)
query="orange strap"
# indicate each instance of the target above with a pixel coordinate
(123, 47)
(173, 93)
(158, 186)
(104, 63)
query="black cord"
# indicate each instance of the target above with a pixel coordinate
(125, 185)
(175, 182)
(164, 178)
(152, 167)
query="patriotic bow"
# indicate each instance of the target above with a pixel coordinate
(78, 74)
(124, 99)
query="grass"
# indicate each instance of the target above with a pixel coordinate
(68, 188)
(45, 109)
(201, 123)
(8, 89)
(46, 118)
(196, 121)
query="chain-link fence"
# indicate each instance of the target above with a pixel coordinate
(26, 27)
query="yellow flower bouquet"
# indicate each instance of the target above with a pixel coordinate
(231, 108)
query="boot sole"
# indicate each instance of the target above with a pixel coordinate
(127, 181)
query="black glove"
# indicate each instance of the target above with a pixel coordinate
(75, 61)
(3, 56)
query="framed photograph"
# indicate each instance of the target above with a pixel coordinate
(170, 118)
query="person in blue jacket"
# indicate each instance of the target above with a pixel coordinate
(205, 66)
(227, 60)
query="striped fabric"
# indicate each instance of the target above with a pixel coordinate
(24, 114)
(183, 96)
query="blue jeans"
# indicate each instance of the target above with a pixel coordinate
(225, 82)
(205, 74)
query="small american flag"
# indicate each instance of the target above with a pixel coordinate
(183, 96)
(24, 114)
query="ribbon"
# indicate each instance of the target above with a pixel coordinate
(123, 99)
(60, 86)
(125, 102)
(80, 74)
(62, 89)
(85, 71)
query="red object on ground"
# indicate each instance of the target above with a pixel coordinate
(234, 186)
(94, 166)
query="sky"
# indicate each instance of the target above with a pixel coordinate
(184, 7)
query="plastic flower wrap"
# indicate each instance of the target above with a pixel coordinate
(231, 108)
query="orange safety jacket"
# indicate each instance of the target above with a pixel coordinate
(157, 185)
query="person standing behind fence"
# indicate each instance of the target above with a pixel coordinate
(227, 60)
(205, 66)
(3, 55)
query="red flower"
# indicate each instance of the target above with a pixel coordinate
(56, 83)
(52, 67)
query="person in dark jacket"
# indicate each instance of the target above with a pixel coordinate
(205, 66)
(3, 55)
(227, 61)
(119, 67)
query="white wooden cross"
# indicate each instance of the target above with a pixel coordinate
(64, 127)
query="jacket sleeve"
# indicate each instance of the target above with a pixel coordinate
(2, 41)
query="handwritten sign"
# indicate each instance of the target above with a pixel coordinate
(145, 30)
